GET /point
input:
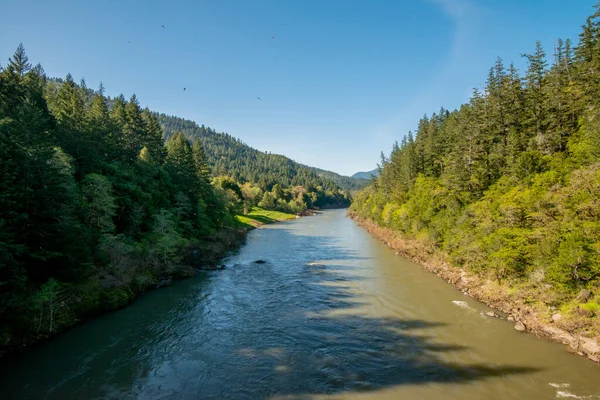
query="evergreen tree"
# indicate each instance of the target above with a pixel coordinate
(19, 63)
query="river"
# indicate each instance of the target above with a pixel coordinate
(333, 313)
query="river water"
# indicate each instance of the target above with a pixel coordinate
(333, 313)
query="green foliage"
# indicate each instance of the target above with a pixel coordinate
(507, 185)
(93, 206)
(268, 201)
(99, 202)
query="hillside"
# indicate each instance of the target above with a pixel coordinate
(368, 175)
(230, 156)
(350, 183)
(507, 186)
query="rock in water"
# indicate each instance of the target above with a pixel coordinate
(520, 326)
(491, 314)
(260, 262)
(164, 282)
(213, 267)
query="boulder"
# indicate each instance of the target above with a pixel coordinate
(556, 317)
(590, 346)
(520, 326)
(510, 318)
(584, 295)
(492, 314)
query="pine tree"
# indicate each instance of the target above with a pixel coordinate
(102, 129)
(535, 97)
(134, 128)
(201, 164)
(180, 161)
(19, 62)
(119, 120)
(153, 137)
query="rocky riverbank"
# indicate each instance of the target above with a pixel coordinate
(514, 305)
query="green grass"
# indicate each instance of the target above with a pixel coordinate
(259, 216)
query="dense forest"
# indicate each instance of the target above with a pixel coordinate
(96, 207)
(93, 206)
(508, 185)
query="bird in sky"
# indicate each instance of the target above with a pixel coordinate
(184, 88)
(258, 97)
(163, 26)
(272, 36)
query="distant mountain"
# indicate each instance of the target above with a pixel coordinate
(366, 175)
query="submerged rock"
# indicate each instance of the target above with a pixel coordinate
(213, 267)
(260, 262)
(492, 314)
(164, 282)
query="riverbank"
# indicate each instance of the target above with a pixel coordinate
(522, 305)
(100, 295)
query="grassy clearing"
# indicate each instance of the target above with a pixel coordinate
(259, 216)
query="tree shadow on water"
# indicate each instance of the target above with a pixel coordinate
(358, 354)
(324, 342)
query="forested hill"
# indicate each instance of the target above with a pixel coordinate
(509, 184)
(366, 175)
(230, 156)
(351, 183)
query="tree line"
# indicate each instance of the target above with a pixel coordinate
(508, 185)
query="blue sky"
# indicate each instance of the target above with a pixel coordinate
(340, 81)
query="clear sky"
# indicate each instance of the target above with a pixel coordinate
(339, 82)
